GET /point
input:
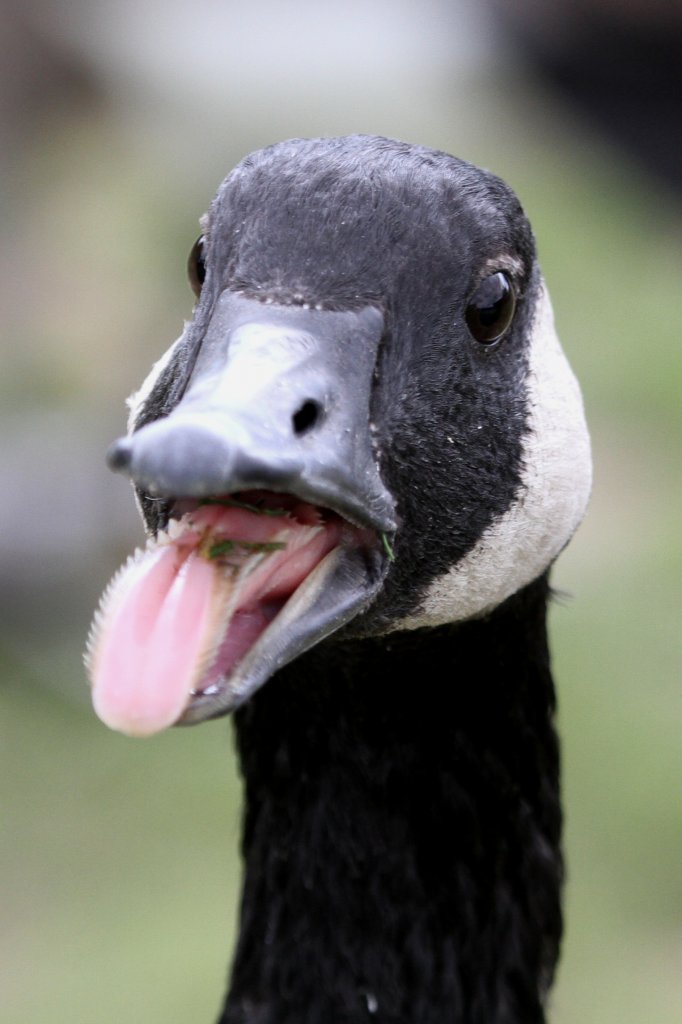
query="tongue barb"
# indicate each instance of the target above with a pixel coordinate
(181, 613)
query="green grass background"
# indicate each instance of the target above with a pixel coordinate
(120, 867)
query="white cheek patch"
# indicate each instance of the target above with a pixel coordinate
(139, 397)
(557, 477)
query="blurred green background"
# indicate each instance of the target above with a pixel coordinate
(119, 859)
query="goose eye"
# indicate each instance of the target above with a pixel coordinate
(491, 308)
(196, 265)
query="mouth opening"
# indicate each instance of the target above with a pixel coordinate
(263, 545)
(210, 593)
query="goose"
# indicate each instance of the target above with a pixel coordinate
(356, 467)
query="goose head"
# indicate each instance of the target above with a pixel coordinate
(368, 425)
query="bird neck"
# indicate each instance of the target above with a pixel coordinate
(402, 830)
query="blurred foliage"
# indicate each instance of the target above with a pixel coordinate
(120, 860)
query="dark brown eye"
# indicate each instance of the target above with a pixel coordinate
(196, 266)
(490, 309)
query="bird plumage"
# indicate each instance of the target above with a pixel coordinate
(402, 829)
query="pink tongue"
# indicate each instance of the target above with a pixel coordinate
(181, 614)
(161, 625)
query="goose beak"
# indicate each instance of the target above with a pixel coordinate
(278, 516)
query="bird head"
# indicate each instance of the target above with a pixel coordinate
(368, 425)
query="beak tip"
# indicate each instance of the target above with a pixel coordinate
(119, 455)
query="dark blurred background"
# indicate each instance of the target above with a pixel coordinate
(118, 120)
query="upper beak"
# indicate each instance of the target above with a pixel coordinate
(278, 398)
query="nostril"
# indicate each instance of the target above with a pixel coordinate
(306, 417)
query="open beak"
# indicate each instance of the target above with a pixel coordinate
(278, 522)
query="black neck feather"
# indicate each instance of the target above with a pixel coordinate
(402, 830)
